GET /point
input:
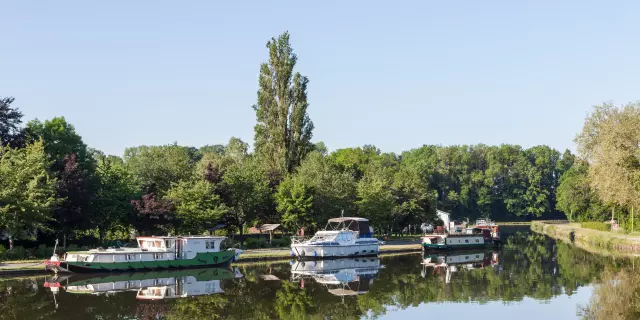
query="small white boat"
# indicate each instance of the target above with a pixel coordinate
(342, 237)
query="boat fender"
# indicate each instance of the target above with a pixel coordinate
(314, 253)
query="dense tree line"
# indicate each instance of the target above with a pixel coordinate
(52, 182)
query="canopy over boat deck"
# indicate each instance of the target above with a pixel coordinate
(361, 225)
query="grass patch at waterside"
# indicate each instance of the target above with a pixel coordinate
(605, 242)
(595, 225)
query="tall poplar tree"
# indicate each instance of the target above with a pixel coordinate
(284, 129)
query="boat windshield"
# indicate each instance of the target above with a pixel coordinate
(323, 237)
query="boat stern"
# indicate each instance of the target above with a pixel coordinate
(237, 253)
(55, 265)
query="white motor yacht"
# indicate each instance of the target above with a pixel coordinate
(342, 237)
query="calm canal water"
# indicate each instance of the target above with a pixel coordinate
(531, 277)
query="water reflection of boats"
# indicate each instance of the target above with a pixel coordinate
(451, 262)
(342, 277)
(148, 285)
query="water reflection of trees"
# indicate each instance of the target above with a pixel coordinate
(530, 265)
(616, 298)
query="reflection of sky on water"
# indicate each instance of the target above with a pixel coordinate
(560, 307)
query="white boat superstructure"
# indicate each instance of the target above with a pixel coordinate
(343, 237)
(188, 287)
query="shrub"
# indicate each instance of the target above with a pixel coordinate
(43, 252)
(282, 242)
(595, 225)
(3, 250)
(17, 253)
(253, 243)
(75, 247)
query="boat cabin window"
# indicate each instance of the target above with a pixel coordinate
(130, 257)
(150, 243)
(211, 244)
(344, 237)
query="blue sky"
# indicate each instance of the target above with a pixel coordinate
(396, 74)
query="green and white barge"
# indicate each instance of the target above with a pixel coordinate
(471, 238)
(153, 253)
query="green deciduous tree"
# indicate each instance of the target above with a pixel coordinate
(284, 130)
(295, 202)
(246, 192)
(376, 201)
(575, 196)
(332, 190)
(73, 167)
(27, 190)
(159, 166)
(10, 120)
(609, 142)
(197, 206)
(60, 140)
(111, 205)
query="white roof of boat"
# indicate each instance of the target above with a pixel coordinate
(343, 219)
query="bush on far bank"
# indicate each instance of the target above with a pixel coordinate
(40, 252)
(596, 225)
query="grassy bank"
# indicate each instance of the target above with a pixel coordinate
(514, 223)
(602, 242)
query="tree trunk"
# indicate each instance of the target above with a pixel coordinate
(102, 235)
(64, 241)
(10, 242)
(570, 214)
